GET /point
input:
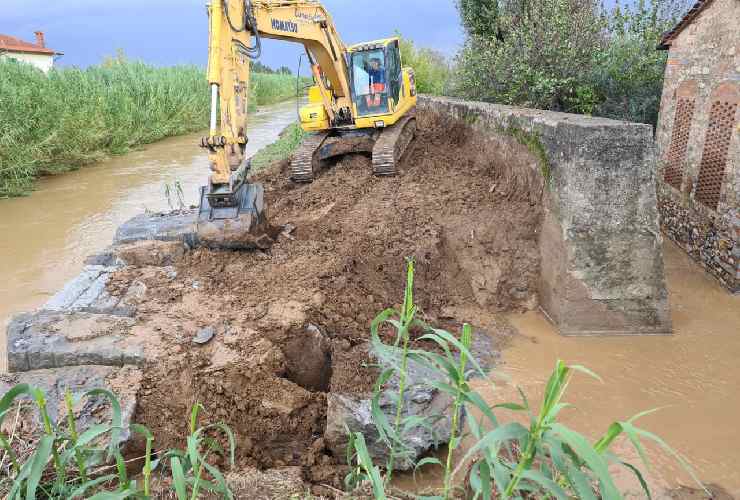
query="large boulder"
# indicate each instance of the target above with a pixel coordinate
(353, 412)
(51, 339)
(88, 292)
(174, 226)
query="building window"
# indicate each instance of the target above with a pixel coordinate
(717, 144)
(676, 158)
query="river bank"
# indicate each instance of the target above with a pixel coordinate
(339, 266)
(72, 118)
(71, 216)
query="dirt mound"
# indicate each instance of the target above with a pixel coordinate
(465, 207)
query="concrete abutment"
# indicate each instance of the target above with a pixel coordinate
(600, 241)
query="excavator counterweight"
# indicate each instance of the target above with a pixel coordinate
(363, 101)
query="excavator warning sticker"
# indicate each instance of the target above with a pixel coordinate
(288, 26)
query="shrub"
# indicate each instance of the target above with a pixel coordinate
(566, 55)
(431, 68)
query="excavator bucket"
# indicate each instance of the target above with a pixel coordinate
(234, 220)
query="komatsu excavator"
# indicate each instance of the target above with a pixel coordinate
(362, 101)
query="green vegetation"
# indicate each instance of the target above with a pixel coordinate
(65, 464)
(507, 460)
(566, 55)
(281, 149)
(431, 68)
(534, 145)
(70, 117)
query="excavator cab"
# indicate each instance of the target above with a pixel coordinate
(376, 77)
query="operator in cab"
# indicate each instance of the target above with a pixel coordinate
(376, 72)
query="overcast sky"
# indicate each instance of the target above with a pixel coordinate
(166, 32)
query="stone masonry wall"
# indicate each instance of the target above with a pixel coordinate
(701, 90)
(602, 261)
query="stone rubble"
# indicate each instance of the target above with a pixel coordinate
(83, 338)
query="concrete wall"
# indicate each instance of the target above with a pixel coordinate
(602, 262)
(703, 69)
(43, 62)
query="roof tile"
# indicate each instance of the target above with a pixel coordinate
(13, 44)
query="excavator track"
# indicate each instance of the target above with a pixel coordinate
(392, 144)
(305, 159)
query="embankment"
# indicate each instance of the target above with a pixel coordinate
(71, 117)
(285, 360)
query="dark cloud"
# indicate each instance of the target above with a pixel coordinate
(168, 32)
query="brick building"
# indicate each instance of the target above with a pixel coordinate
(698, 138)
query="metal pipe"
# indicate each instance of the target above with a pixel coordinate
(214, 108)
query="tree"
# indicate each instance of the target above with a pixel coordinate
(566, 55)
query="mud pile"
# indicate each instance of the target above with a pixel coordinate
(292, 324)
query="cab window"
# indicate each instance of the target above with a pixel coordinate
(394, 71)
(370, 82)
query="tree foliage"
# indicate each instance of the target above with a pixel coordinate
(431, 68)
(566, 55)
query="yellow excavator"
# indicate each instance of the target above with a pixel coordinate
(362, 101)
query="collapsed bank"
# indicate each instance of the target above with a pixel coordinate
(504, 209)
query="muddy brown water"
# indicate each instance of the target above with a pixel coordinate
(48, 235)
(693, 374)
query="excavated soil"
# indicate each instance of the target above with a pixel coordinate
(465, 207)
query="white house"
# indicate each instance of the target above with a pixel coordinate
(37, 53)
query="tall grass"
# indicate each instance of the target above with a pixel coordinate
(70, 117)
(508, 460)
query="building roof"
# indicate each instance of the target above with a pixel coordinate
(12, 44)
(688, 18)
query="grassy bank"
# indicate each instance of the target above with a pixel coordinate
(281, 149)
(51, 124)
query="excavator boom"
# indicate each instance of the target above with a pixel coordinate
(360, 91)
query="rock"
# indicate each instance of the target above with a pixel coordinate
(150, 253)
(106, 258)
(49, 339)
(272, 484)
(204, 335)
(354, 411)
(222, 357)
(123, 382)
(88, 293)
(287, 399)
(175, 226)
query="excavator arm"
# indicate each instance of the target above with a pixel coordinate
(236, 30)
(232, 213)
(231, 210)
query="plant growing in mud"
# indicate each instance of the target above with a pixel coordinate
(66, 464)
(174, 193)
(545, 459)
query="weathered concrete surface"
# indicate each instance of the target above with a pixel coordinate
(123, 382)
(179, 226)
(602, 262)
(83, 324)
(702, 74)
(354, 411)
(49, 339)
(88, 293)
